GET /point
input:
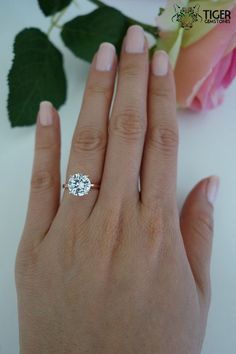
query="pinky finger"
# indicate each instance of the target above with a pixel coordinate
(45, 183)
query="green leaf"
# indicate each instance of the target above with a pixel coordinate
(98, 2)
(152, 51)
(50, 7)
(36, 74)
(83, 34)
(161, 10)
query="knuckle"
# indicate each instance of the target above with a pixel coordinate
(203, 226)
(161, 93)
(89, 139)
(128, 124)
(163, 96)
(130, 71)
(97, 89)
(46, 146)
(164, 139)
(42, 180)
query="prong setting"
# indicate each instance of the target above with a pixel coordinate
(79, 185)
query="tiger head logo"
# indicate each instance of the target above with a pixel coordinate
(187, 16)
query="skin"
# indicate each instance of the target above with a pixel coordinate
(117, 271)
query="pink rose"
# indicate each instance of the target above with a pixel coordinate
(206, 67)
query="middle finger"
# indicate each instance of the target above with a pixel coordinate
(128, 120)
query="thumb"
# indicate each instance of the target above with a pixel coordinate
(196, 223)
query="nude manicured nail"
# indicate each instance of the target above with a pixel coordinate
(213, 189)
(45, 113)
(160, 63)
(135, 40)
(105, 57)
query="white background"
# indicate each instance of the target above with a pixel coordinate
(207, 146)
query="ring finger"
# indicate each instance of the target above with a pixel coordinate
(90, 136)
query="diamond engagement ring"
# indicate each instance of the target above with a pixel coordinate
(80, 185)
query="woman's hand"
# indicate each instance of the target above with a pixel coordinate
(116, 271)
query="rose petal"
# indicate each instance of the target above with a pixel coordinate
(231, 45)
(211, 92)
(197, 61)
(231, 73)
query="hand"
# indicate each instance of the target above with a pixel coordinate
(116, 271)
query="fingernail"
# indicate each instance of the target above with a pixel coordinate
(45, 113)
(105, 57)
(135, 40)
(213, 186)
(160, 63)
